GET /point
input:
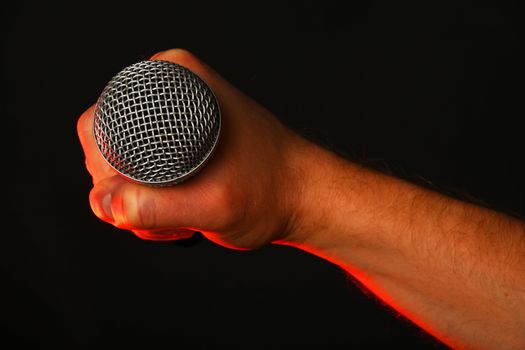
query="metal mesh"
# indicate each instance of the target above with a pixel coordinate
(156, 122)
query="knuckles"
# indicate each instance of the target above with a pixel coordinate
(130, 207)
(135, 206)
(85, 122)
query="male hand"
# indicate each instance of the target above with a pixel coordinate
(243, 198)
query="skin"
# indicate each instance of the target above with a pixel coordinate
(455, 269)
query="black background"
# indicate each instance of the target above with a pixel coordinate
(424, 90)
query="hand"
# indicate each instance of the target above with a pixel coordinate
(243, 198)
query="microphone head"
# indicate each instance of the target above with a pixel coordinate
(157, 123)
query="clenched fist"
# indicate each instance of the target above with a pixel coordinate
(243, 198)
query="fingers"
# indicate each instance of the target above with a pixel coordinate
(95, 162)
(158, 213)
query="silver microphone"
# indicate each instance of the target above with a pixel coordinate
(157, 123)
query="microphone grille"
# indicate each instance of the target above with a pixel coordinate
(156, 122)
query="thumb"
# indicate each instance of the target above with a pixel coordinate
(192, 205)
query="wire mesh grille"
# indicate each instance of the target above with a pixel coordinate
(156, 122)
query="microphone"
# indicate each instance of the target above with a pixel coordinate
(157, 123)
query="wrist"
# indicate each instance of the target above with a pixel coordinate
(319, 183)
(341, 211)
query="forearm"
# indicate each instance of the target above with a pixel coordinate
(455, 269)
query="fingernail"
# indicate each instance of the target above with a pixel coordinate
(106, 206)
